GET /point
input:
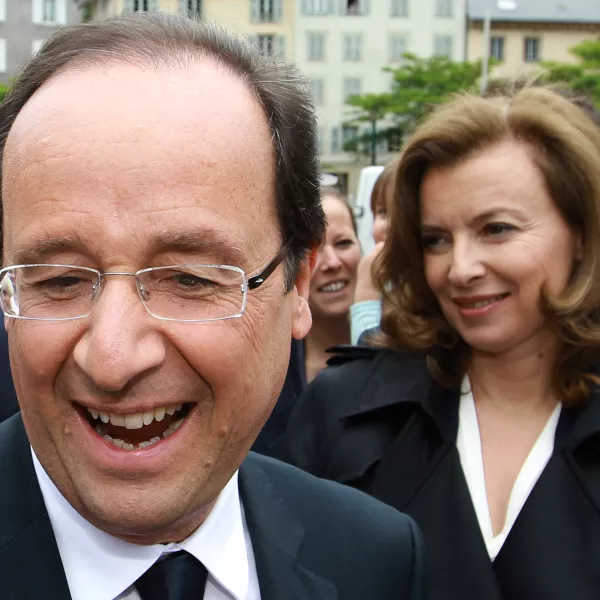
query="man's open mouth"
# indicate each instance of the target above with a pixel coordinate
(138, 430)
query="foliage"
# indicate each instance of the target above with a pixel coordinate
(416, 86)
(4, 89)
(582, 76)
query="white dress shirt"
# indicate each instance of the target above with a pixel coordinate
(468, 442)
(99, 566)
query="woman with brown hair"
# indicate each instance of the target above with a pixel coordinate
(480, 417)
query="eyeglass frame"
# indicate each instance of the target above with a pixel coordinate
(248, 283)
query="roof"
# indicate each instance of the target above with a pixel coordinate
(541, 11)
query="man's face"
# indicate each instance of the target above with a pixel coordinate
(128, 168)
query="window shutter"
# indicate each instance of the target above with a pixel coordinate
(153, 6)
(127, 7)
(278, 10)
(304, 8)
(365, 7)
(342, 7)
(255, 11)
(335, 140)
(3, 56)
(280, 47)
(253, 40)
(37, 15)
(61, 12)
(183, 7)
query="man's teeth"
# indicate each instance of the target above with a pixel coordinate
(334, 287)
(136, 420)
(171, 429)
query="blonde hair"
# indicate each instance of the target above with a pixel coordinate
(565, 146)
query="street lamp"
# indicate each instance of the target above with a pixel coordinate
(507, 5)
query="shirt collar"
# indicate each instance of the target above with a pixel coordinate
(99, 566)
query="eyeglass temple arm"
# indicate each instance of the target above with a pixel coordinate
(258, 280)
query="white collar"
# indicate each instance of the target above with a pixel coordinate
(99, 566)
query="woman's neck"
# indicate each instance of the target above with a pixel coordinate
(520, 379)
(325, 333)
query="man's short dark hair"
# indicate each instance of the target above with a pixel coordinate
(169, 39)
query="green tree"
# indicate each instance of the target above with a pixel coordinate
(416, 86)
(582, 76)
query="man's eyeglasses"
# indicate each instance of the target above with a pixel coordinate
(190, 293)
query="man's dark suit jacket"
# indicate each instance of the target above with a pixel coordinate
(312, 539)
(8, 398)
(381, 425)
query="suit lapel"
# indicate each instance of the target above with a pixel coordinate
(30, 565)
(276, 538)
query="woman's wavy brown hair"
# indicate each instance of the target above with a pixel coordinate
(565, 145)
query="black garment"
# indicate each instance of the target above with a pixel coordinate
(381, 425)
(8, 398)
(269, 439)
(179, 576)
(312, 539)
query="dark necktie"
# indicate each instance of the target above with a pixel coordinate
(179, 576)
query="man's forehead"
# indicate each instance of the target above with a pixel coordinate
(131, 100)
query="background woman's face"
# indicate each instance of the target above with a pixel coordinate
(334, 278)
(493, 238)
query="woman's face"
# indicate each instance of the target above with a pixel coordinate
(492, 239)
(380, 221)
(334, 278)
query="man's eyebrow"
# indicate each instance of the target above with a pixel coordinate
(195, 242)
(188, 242)
(40, 248)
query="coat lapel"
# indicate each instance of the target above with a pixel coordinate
(30, 565)
(276, 538)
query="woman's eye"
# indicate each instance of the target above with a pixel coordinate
(381, 213)
(344, 243)
(432, 241)
(498, 229)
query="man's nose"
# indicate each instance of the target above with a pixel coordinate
(122, 340)
(467, 265)
(329, 259)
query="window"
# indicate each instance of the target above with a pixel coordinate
(353, 46)
(399, 8)
(352, 87)
(349, 134)
(442, 45)
(355, 7)
(532, 49)
(2, 10)
(193, 8)
(444, 8)
(336, 142)
(270, 45)
(316, 7)
(266, 11)
(49, 11)
(397, 47)
(497, 48)
(317, 87)
(316, 46)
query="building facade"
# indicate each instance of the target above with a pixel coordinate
(24, 25)
(343, 47)
(524, 33)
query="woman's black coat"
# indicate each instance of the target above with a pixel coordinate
(379, 423)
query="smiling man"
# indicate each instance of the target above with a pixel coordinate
(160, 211)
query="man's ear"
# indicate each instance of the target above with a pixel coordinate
(302, 319)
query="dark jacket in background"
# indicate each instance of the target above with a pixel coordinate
(270, 438)
(312, 540)
(8, 398)
(380, 424)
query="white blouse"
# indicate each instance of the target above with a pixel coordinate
(468, 442)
